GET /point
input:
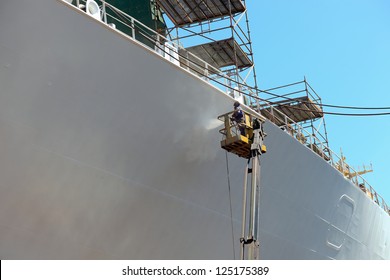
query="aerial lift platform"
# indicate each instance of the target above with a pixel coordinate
(235, 142)
(248, 145)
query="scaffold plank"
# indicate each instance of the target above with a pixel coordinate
(183, 12)
(297, 109)
(221, 53)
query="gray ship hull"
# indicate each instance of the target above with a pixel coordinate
(108, 151)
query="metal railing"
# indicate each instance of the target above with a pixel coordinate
(179, 56)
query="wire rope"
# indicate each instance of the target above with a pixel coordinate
(230, 200)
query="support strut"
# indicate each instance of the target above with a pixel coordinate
(250, 246)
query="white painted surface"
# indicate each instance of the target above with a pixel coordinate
(109, 151)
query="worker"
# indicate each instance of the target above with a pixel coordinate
(238, 117)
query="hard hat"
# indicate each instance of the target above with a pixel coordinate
(236, 104)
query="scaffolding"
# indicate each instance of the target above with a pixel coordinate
(297, 109)
(215, 32)
(215, 40)
(184, 12)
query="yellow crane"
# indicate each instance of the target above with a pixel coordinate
(349, 173)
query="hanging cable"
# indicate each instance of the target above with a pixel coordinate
(358, 115)
(273, 94)
(337, 113)
(324, 105)
(355, 107)
(230, 199)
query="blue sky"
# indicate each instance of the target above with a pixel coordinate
(343, 49)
